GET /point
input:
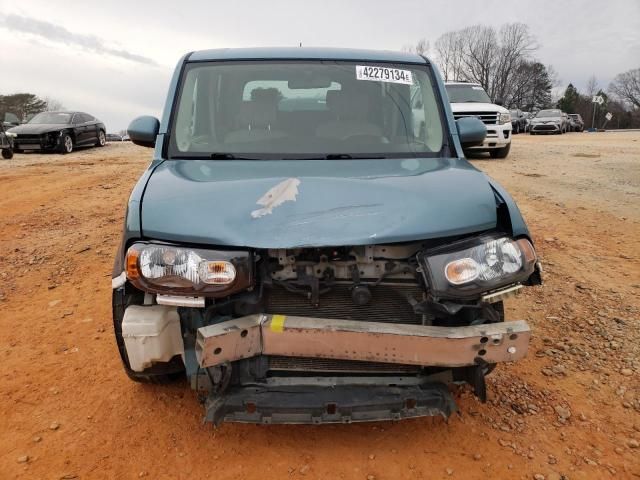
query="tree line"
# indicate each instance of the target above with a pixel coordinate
(503, 61)
(20, 107)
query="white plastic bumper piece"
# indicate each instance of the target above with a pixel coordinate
(151, 334)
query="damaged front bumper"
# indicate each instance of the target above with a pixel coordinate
(470, 347)
(423, 345)
(303, 404)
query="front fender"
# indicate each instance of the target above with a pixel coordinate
(516, 220)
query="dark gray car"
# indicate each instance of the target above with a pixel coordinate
(59, 132)
(309, 244)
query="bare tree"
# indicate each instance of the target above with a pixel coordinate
(420, 48)
(491, 58)
(626, 86)
(515, 46)
(592, 86)
(448, 51)
(53, 105)
(554, 78)
(479, 45)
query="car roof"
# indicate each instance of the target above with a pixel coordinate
(305, 53)
(69, 112)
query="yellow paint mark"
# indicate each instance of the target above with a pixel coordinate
(277, 323)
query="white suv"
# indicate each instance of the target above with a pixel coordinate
(470, 100)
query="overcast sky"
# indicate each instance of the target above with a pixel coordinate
(114, 59)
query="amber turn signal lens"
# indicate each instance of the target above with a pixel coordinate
(528, 252)
(217, 272)
(132, 264)
(462, 271)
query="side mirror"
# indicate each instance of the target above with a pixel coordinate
(499, 101)
(471, 131)
(144, 130)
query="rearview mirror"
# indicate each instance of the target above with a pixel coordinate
(499, 101)
(144, 130)
(471, 131)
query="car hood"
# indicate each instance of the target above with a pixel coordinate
(477, 107)
(546, 119)
(38, 128)
(299, 203)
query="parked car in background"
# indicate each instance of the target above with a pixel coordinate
(308, 265)
(578, 123)
(518, 121)
(470, 100)
(548, 121)
(59, 132)
(114, 137)
(6, 142)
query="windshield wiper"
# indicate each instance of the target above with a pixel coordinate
(228, 156)
(348, 156)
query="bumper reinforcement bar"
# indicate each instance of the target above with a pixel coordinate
(291, 336)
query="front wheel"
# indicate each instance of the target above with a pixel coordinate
(66, 144)
(7, 153)
(102, 139)
(501, 152)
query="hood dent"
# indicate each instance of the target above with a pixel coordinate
(315, 203)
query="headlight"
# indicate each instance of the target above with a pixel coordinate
(175, 270)
(477, 266)
(505, 118)
(11, 134)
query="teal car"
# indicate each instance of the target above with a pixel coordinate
(309, 244)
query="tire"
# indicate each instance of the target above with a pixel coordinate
(102, 139)
(159, 373)
(7, 153)
(66, 144)
(501, 152)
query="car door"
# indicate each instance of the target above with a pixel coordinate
(79, 128)
(92, 128)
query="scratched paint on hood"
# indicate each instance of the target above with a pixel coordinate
(285, 191)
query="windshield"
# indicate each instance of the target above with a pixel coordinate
(467, 94)
(306, 109)
(51, 117)
(548, 113)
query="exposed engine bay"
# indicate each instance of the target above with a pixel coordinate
(321, 317)
(314, 272)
